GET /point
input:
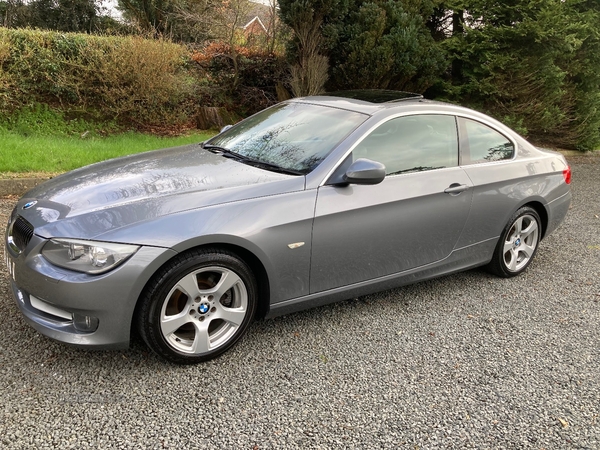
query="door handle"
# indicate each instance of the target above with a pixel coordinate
(455, 188)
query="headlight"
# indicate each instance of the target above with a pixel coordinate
(87, 256)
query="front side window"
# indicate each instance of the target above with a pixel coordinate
(483, 144)
(412, 144)
(294, 136)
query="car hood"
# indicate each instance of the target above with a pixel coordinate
(92, 200)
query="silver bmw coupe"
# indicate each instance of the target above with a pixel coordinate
(311, 201)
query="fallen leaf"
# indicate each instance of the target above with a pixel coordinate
(563, 422)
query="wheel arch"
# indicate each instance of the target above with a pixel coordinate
(542, 212)
(257, 268)
(253, 262)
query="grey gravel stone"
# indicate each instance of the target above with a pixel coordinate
(465, 361)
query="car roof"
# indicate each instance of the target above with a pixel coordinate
(370, 101)
(376, 95)
(399, 102)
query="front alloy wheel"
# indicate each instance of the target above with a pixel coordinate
(518, 243)
(198, 306)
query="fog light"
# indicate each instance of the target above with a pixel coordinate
(85, 323)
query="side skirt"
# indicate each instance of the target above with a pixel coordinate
(458, 261)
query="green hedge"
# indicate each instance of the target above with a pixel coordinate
(130, 80)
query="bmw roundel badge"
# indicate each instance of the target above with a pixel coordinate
(29, 204)
(203, 308)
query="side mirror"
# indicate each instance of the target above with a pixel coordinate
(364, 171)
(225, 128)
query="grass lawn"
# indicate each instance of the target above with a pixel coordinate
(54, 154)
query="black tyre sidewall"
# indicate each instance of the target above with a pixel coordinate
(149, 314)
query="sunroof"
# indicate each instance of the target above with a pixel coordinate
(376, 95)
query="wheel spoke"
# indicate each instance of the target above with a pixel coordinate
(201, 342)
(508, 246)
(170, 324)
(227, 281)
(527, 249)
(532, 228)
(234, 316)
(189, 285)
(512, 264)
(518, 225)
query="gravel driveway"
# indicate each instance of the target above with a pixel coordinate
(468, 360)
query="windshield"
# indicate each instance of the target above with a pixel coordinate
(293, 136)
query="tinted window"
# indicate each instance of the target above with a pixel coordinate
(484, 144)
(295, 136)
(412, 144)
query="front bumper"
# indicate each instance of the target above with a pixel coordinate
(93, 311)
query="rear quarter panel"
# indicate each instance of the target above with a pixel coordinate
(500, 188)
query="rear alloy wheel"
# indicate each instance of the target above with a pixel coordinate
(198, 306)
(518, 243)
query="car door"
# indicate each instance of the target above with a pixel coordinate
(499, 184)
(413, 218)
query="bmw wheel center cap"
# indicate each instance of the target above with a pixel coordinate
(204, 308)
(517, 242)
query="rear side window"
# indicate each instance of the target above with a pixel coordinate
(481, 143)
(412, 144)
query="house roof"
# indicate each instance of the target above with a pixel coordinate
(259, 15)
(255, 22)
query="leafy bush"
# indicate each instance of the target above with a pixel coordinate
(535, 64)
(242, 79)
(134, 81)
(383, 44)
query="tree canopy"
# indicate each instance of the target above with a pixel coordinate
(384, 44)
(534, 64)
(60, 15)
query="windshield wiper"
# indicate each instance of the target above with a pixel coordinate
(214, 148)
(250, 161)
(224, 151)
(271, 166)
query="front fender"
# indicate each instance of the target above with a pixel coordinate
(264, 226)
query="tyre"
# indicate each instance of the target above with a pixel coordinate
(198, 306)
(517, 244)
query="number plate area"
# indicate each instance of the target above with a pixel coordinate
(10, 265)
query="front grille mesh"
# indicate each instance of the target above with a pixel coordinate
(21, 233)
